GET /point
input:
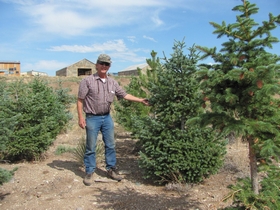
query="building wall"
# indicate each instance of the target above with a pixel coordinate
(128, 73)
(83, 64)
(36, 73)
(10, 68)
(61, 72)
(73, 70)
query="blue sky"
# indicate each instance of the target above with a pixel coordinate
(47, 35)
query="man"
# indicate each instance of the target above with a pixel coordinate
(96, 93)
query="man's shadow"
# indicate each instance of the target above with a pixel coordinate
(75, 167)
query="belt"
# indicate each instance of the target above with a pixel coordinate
(104, 114)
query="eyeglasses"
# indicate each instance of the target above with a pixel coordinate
(103, 63)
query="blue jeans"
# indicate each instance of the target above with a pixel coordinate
(94, 124)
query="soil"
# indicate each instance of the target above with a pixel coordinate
(56, 181)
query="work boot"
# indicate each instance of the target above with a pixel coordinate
(113, 174)
(88, 179)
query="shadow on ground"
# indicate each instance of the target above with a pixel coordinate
(3, 195)
(132, 200)
(68, 165)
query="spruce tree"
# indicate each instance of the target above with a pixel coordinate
(31, 116)
(127, 112)
(172, 151)
(242, 85)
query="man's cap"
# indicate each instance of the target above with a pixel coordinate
(104, 58)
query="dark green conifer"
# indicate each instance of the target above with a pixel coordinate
(172, 151)
(243, 84)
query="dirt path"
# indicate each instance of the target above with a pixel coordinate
(56, 183)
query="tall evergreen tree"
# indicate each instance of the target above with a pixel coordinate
(171, 150)
(242, 84)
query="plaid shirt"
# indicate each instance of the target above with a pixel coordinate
(97, 96)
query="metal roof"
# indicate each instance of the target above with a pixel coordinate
(9, 61)
(134, 67)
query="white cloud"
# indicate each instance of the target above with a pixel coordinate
(64, 18)
(58, 20)
(115, 45)
(130, 56)
(73, 17)
(132, 39)
(149, 38)
(72, 48)
(116, 48)
(155, 18)
(109, 4)
(44, 66)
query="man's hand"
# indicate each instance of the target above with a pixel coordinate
(145, 102)
(82, 122)
(130, 97)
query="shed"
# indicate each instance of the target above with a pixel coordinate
(82, 67)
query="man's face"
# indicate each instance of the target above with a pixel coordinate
(102, 67)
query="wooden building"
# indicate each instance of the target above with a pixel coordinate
(83, 67)
(10, 68)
